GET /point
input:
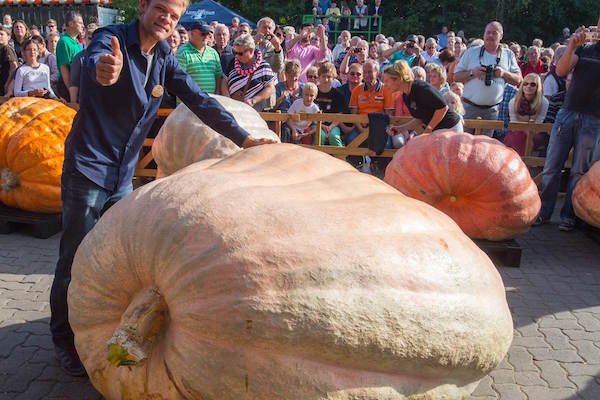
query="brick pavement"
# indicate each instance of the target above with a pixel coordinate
(554, 298)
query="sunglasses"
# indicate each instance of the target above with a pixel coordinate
(312, 77)
(239, 53)
(51, 26)
(533, 84)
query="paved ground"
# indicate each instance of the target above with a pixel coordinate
(554, 298)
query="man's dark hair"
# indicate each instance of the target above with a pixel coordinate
(71, 15)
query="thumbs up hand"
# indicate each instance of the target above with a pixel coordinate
(109, 65)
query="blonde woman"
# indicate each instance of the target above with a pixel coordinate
(426, 105)
(528, 105)
(436, 76)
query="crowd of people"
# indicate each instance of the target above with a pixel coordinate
(438, 80)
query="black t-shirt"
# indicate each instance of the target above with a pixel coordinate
(584, 93)
(423, 100)
(7, 55)
(331, 102)
(346, 93)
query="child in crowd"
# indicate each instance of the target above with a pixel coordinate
(454, 103)
(312, 74)
(302, 131)
(458, 88)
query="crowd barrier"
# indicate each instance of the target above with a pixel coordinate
(147, 168)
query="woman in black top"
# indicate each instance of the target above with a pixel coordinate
(426, 105)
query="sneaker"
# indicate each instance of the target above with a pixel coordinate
(566, 225)
(69, 361)
(539, 221)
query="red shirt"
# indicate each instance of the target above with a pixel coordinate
(539, 69)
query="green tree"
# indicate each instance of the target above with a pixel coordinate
(128, 9)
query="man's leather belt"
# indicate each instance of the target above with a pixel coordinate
(478, 105)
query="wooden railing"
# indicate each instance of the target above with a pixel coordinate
(144, 167)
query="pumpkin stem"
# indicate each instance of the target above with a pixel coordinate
(453, 199)
(8, 180)
(144, 321)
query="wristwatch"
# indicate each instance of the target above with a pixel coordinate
(470, 74)
(252, 101)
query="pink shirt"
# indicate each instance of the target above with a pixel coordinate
(306, 55)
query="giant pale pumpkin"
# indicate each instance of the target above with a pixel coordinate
(184, 139)
(32, 137)
(481, 184)
(586, 196)
(283, 273)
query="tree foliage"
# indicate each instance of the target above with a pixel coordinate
(523, 20)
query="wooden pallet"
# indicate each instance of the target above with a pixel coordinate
(41, 226)
(505, 253)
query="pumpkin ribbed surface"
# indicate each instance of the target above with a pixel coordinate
(32, 136)
(586, 196)
(283, 273)
(184, 139)
(481, 184)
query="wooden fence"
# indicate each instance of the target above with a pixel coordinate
(146, 167)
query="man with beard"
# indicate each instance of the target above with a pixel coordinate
(301, 49)
(125, 74)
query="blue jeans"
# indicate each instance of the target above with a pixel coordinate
(571, 129)
(84, 202)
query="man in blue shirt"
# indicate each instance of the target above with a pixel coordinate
(125, 73)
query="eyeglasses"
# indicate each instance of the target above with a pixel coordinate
(355, 74)
(51, 26)
(532, 84)
(312, 77)
(239, 53)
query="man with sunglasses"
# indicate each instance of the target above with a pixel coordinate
(199, 60)
(125, 74)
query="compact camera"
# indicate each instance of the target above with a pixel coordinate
(489, 74)
(268, 36)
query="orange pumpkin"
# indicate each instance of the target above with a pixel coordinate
(586, 196)
(481, 184)
(32, 137)
(281, 272)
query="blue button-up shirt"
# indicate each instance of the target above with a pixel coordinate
(113, 121)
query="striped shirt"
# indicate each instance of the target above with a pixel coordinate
(203, 66)
(262, 77)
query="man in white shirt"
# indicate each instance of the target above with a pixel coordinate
(484, 70)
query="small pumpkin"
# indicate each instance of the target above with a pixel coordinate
(481, 184)
(184, 139)
(586, 196)
(281, 272)
(32, 137)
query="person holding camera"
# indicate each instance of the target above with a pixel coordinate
(356, 54)
(408, 51)
(269, 44)
(577, 124)
(484, 70)
(301, 49)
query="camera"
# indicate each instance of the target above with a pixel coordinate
(358, 49)
(268, 36)
(410, 45)
(489, 74)
(591, 36)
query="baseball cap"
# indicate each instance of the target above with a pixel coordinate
(204, 28)
(412, 38)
